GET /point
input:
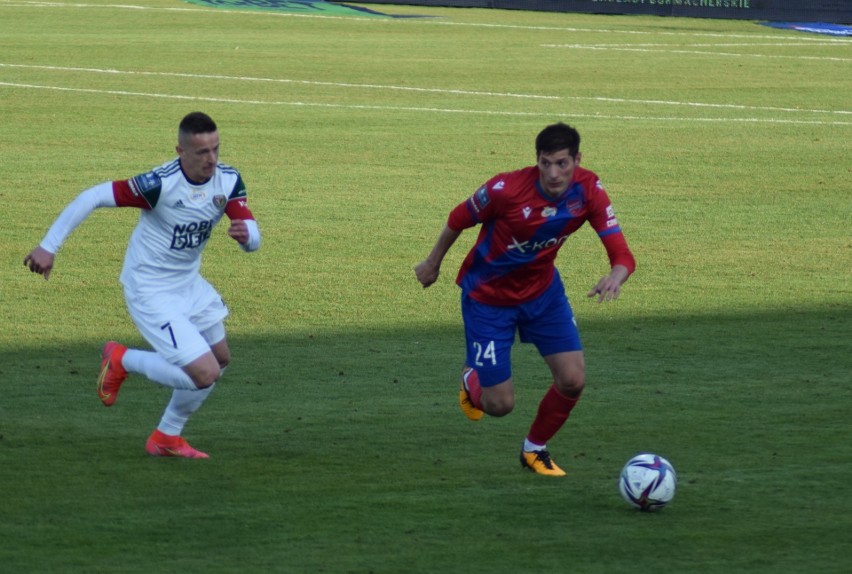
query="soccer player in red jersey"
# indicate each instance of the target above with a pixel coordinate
(510, 284)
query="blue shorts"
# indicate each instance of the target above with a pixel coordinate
(547, 321)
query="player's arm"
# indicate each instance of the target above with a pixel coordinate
(475, 209)
(427, 271)
(621, 260)
(243, 229)
(40, 260)
(468, 213)
(622, 265)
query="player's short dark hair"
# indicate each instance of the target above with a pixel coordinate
(197, 123)
(557, 137)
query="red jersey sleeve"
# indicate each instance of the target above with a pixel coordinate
(602, 218)
(478, 207)
(237, 208)
(126, 197)
(460, 217)
(618, 252)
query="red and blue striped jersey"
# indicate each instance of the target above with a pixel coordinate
(522, 230)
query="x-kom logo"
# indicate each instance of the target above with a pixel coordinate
(533, 246)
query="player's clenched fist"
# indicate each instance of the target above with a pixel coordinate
(40, 260)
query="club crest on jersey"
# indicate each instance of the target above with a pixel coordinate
(219, 201)
(574, 201)
(480, 199)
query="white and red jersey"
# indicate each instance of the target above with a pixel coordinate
(177, 219)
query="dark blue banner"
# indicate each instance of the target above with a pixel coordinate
(830, 11)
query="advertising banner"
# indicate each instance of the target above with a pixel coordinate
(832, 11)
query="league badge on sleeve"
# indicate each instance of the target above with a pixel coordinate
(144, 182)
(611, 220)
(480, 199)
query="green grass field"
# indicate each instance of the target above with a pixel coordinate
(336, 442)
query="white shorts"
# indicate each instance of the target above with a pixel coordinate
(180, 326)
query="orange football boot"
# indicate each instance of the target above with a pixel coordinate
(539, 462)
(159, 444)
(466, 404)
(112, 372)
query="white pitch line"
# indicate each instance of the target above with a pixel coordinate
(718, 106)
(417, 109)
(694, 52)
(431, 90)
(278, 80)
(713, 45)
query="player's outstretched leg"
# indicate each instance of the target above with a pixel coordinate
(469, 389)
(159, 444)
(112, 372)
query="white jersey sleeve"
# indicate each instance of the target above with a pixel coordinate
(253, 243)
(79, 209)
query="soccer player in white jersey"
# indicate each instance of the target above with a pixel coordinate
(177, 311)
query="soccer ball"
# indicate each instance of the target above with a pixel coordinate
(647, 481)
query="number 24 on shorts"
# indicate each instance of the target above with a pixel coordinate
(485, 354)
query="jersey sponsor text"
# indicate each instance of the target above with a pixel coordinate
(191, 235)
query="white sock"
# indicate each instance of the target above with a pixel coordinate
(157, 369)
(179, 409)
(532, 447)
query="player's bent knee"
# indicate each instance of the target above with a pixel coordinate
(498, 400)
(204, 371)
(499, 411)
(205, 380)
(571, 386)
(498, 408)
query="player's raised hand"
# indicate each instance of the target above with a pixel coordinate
(238, 231)
(40, 261)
